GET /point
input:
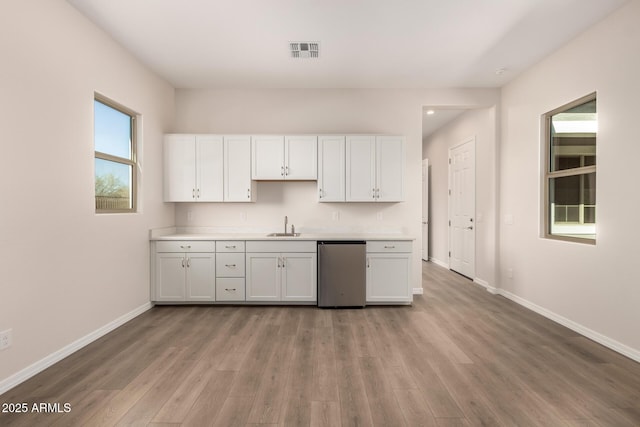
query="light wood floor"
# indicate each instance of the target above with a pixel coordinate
(458, 357)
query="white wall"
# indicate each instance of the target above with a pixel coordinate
(479, 124)
(332, 111)
(592, 287)
(66, 272)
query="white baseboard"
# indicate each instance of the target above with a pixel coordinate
(418, 291)
(487, 286)
(614, 345)
(440, 263)
(41, 365)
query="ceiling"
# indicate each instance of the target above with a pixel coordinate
(363, 43)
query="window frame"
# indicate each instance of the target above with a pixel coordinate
(548, 175)
(132, 162)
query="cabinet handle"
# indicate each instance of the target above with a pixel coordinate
(283, 261)
(188, 262)
(282, 170)
(248, 193)
(377, 193)
(368, 266)
(193, 193)
(182, 262)
(286, 170)
(389, 247)
(231, 247)
(198, 193)
(320, 193)
(373, 193)
(230, 290)
(278, 262)
(230, 265)
(185, 247)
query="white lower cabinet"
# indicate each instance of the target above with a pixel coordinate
(230, 289)
(263, 276)
(299, 275)
(230, 271)
(281, 271)
(184, 276)
(389, 272)
(276, 271)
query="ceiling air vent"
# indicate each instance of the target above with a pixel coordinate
(304, 49)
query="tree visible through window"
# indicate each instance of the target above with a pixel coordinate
(570, 176)
(115, 157)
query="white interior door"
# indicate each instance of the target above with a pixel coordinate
(425, 209)
(462, 206)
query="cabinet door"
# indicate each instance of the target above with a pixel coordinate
(201, 277)
(263, 276)
(331, 169)
(179, 168)
(209, 168)
(301, 161)
(170, 277)
(360, 170)
(388, 277)
(390, 168)
(299, 276)
(267, 157)
(238, 186)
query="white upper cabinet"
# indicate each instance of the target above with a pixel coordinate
(215, 168)
(331, 168)
(238, 186)
(390, 159)
(361, 168)
(193, 168)
(375, 168)
(207, 168)
(267, 158)
(280, 158)
(301, 157)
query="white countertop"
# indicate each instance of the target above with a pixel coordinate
(210, 233)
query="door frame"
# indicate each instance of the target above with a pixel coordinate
(471, 140)
(425, 209)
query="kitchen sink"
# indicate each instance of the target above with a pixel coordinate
(283, 234)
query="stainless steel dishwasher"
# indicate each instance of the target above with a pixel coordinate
(342, 273)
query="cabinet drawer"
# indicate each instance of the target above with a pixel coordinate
(230, 289)
(282, 246)
(185, 246)
(230, 265)
(389, 246)
(230, 246)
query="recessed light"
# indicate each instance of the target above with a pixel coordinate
(500, 71)
(430, 112)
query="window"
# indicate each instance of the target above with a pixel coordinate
(115, 157)
(570, 171)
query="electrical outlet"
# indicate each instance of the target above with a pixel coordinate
(510, 273)
(5, 339)
(379, 216)
(335, 215)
